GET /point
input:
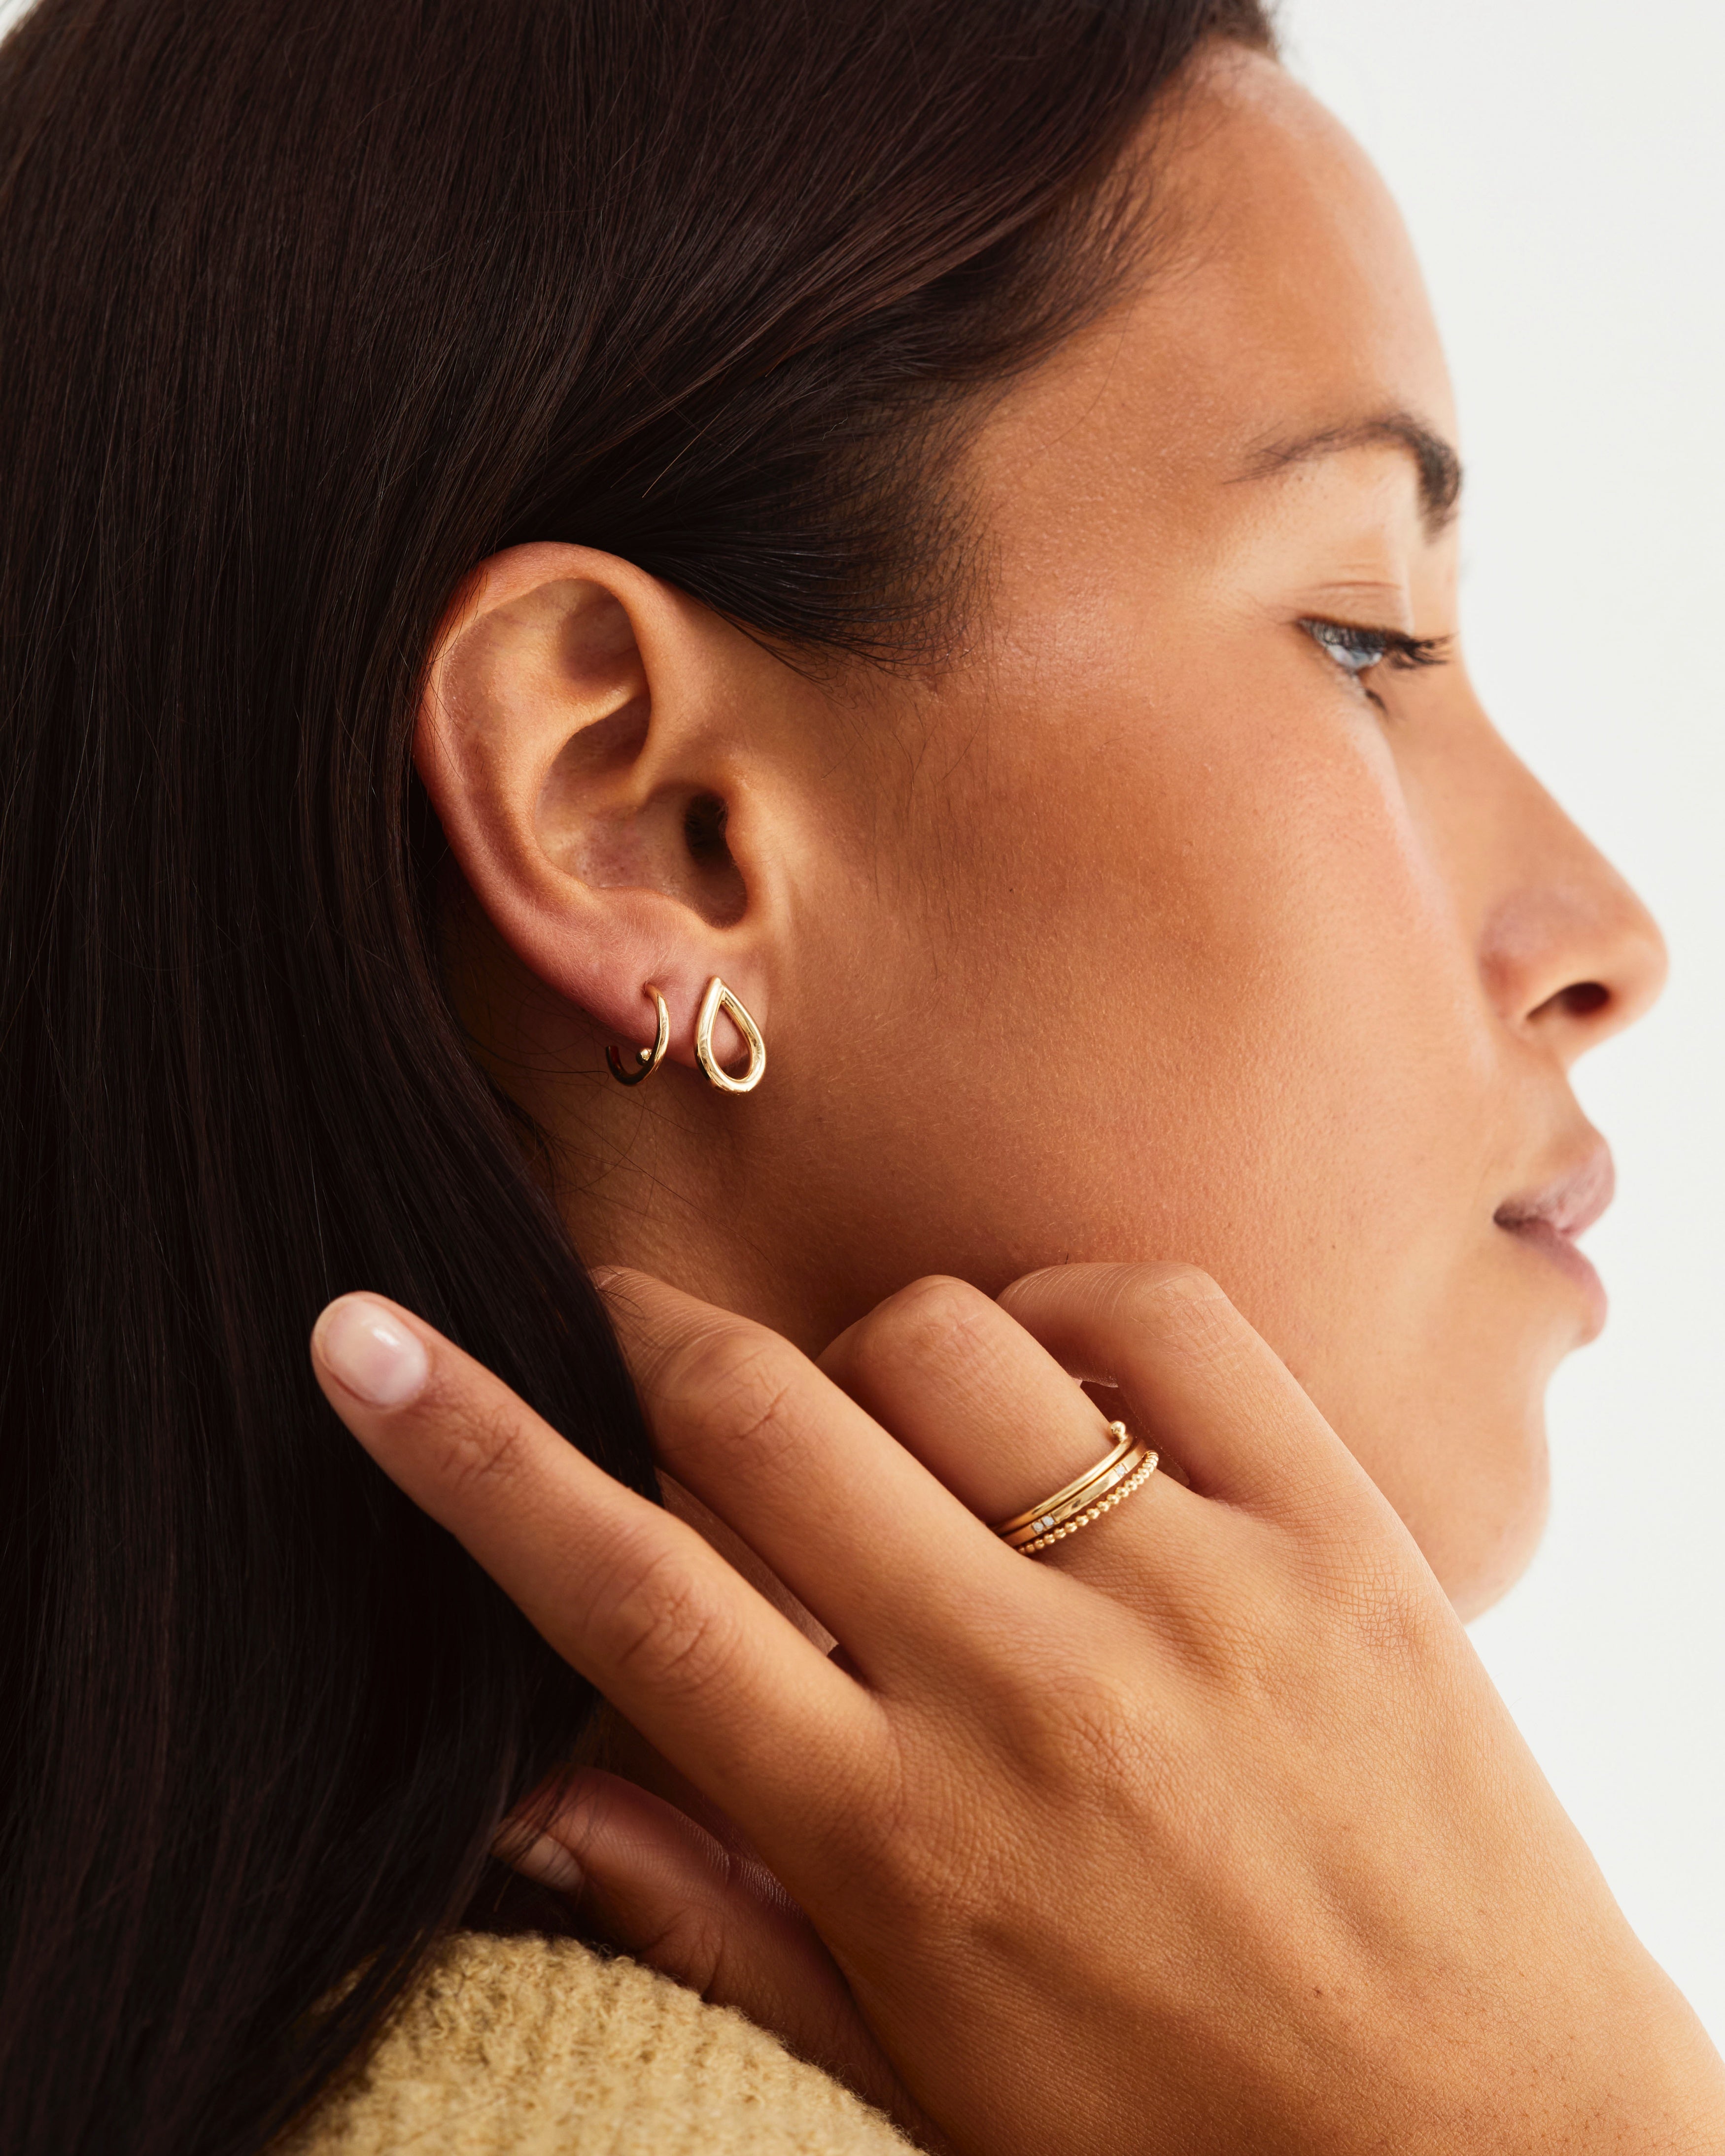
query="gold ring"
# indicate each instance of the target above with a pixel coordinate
(1142, 1469)
(1128, 1467)
(1122, 1445)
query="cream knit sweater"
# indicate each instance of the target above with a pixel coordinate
(528, 2046)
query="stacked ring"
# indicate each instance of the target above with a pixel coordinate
(1098, 1491)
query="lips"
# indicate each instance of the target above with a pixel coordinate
(1548, 1220)
(1569, 1205)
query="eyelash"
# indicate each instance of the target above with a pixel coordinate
(1339, 640)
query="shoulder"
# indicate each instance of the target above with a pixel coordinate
(529, 2046)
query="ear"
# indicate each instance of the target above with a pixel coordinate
(585, 738)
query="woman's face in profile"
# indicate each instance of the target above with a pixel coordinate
(1198, 912)
(1208, 938)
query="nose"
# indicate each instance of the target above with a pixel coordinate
(1570, 954)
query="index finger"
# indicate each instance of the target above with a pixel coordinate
(725, 1687)
(839, 1509)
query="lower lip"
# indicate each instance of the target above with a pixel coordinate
(1540, 1235)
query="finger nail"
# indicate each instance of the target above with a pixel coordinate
(367, 1349)
(546, 1862)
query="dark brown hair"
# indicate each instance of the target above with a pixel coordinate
(307, 307)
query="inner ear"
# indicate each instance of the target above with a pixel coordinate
(592, 823)
(721, 880)
(717, 889)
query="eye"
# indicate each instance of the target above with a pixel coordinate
(1357, 650)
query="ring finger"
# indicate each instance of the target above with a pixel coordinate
(988, 1410)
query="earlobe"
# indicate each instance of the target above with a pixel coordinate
(580, 741)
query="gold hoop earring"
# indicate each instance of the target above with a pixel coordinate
(719, 998)
(647, 1059)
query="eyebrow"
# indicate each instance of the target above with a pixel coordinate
(1438, 466)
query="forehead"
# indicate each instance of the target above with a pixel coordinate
(1281, 303)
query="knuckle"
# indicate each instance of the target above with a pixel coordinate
(478, 1448)
(928, 1850)
(935, 1317)
(1307, 1644)
(1173, 1293)
(1167, 1280)
(1381, 1609)
(873, 1801)
(663, 1629)
(1181, 1307)
(690, 1944)
(1107, 1731)
(624, 1282)
(731, 1384)
(1172, 1280)
(1081, 1722)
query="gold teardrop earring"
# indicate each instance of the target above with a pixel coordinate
(647, 1059)
(719, 998)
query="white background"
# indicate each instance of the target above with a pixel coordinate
(1562, 163)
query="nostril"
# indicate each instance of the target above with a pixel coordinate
(1580, 999)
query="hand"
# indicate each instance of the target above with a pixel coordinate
(1205, 1832)
(676, 1885)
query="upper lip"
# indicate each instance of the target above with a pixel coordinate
(1569, 1203)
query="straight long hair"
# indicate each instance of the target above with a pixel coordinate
(307, 307)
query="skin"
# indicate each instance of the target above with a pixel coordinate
(1143, 930)
(1226, 1781)
(1143, 937)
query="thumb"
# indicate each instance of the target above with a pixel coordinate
(702, 1909)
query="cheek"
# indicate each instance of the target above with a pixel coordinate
(1212, 929)
(1195, 989)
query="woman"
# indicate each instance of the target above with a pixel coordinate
(917, 540)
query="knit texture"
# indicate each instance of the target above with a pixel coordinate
(529, 2046)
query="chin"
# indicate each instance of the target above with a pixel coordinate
(1481, 1555)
